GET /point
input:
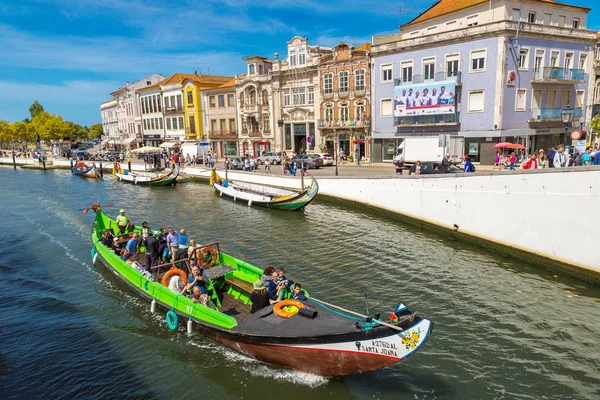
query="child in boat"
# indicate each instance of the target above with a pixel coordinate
(281, 280)
(298, 293)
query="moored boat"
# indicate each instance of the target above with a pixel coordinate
(85, 170)
(147, 178)
(265, 196)
(315, 337)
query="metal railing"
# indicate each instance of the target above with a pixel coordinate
(554, 74)
(541, 114)
(424, 78)
(440, 119)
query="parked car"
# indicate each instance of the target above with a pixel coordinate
(311, 160)
(82, 154)
(240, 162)
(427, 167)
(273, 157)
(326, 157)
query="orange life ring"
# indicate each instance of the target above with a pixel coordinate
(287, 308)
(174, 271)
(81, 164)
(205, 251)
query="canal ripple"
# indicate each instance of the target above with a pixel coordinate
(503, 329)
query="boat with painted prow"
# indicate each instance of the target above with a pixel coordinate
(318, 338)
(265, 196)
(85, 170)
(147, 178)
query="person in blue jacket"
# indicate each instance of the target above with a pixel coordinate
(468, 164)
(298, 294)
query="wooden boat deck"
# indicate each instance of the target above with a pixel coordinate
(235, 308)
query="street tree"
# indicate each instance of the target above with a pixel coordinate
(96, 130)
(595, 123)
(35, 109)
(22, 131)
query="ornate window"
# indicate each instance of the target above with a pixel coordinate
(328, 83)
(241, 100)
(328, 112)
(302, 55)
(344, 112)
(286, 97)
(265, 97)
(252, 97)
(311, 95)
(359, 79)
(360, 111)
(292, 57)
(344, 81)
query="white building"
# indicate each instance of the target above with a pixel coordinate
(110, 124)
(150, 103)
(296, 89)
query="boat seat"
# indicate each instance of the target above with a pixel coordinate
(242, 288)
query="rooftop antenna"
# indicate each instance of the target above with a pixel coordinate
(399, 10)
(198, 64)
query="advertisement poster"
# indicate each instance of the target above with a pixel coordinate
(430, 98)
(512, 77)
(473, 149)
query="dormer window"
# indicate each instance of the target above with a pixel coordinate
(302, 55)
(292, 57)
(251, 69)
(260, 69)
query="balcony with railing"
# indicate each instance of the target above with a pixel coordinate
(222, 135)
(360, 92)
(254, 133)
(551, 114)
(428, 120)
(190, 133)
(343, 124)
(327, 95)
(424, 78)
(251, 108)
(558, 75)
(172, 110)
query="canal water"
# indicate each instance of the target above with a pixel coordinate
(504, 330)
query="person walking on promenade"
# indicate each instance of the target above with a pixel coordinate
(596, 155)
(498, 161)
(561, 160)
(586, 158)
(532, 163)
(267, 166)
(468, 164)
(541, 158)
(512, 160)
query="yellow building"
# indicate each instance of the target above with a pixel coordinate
(193, 110)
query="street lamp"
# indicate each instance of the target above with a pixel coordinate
(567, 117)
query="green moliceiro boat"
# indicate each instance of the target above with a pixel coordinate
(322, 339)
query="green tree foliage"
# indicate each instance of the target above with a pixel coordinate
(51, 127)
(96, 130)
(35, 109)
(595, 123)
(22, 131)
(5, 131)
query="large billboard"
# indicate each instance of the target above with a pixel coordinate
(428, 98)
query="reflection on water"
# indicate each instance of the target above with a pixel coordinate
(503, 329)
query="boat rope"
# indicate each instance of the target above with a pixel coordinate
(398, 328)
(335, 311)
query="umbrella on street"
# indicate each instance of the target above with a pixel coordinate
(147, 149)
(508, 145)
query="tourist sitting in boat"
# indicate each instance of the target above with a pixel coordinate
(197, 279)
(175, 284)
(260, 297)
(105, 239)
(298, 293)
(122, 221)
(281, 280)
(125, 254)
(133, 243)
(274, 288)
(266, 277)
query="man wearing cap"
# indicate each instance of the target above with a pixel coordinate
(122, 221)
(151, 244)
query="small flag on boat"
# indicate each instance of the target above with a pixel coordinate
(393, 317)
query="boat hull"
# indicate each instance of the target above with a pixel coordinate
(148, 179)
(86, 172)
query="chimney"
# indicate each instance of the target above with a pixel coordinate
(276, 56)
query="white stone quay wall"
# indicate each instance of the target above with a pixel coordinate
(546, 213)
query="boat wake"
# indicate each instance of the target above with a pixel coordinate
(260, 370)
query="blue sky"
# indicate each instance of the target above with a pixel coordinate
(69, 54)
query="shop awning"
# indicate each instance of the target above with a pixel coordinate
(128, 141)
(169, 145)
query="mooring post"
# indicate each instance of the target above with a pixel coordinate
(44, 162)
(302, 178)
(14, 160)
(71, 160)
(101, 170)
(129, 164)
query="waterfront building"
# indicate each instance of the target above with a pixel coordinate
(192, 86)
(150, 103)
(508, 68)
(254, 99)
(220, 118)
(296, 96)
(595, 108)
(129, 119)
(173, 111)
(345, 106)
(110, 125)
